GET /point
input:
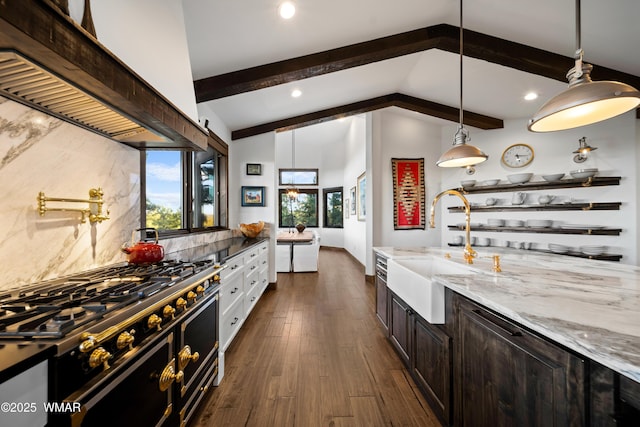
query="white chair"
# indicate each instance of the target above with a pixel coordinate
(283, 258)
(305, 256)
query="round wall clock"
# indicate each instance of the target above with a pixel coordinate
(517, 155)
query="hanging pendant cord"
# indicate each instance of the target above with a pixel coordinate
(461, 78)
(578, 37)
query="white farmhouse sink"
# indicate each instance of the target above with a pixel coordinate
(412, 280)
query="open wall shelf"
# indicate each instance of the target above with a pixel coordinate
(547, 230)
(544, 185)
(603, 257)
(607, 206)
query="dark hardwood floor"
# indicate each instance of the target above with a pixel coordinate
(312, 353)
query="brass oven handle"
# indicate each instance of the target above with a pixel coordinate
(90, 341)
(169, 375)
(185, 356)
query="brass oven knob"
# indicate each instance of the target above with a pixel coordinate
(125, 339)
(181, 304)
(191, 296)
(200, 290)
(216, 278)
(154, 321)
(168, 312)
(169, 375)
(98, 357)
(185, 356)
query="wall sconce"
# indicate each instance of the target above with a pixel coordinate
(582, 153)
(470, 169)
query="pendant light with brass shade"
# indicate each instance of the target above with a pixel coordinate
(585, 102)
(461, 154)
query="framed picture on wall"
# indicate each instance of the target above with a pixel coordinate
(254, 169)
(352, 194)
(252, 196)
(361, 197)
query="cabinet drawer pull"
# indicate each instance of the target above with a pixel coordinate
(234, 291)
(235, 320)
(479, 313)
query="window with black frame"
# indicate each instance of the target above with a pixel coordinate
(185, 191)
(332, 207)
(301, 209)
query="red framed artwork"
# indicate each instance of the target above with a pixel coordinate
(408, 194)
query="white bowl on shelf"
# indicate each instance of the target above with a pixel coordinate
(514, 223)
(558, 249)
(593, 250)
(495, 222)
(468, 183)
(553, 177)
(483, 241)
(539, 223)
(584, 173)
(519, 178)
(490, 182)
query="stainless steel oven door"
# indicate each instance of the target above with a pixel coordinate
(141, 395)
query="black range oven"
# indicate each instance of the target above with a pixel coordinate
(136, 345)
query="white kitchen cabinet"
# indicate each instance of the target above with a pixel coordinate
(241, 285)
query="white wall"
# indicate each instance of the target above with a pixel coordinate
(257, 149)
(403, 136)
(616, 140)
(150, 37)
(355, 232)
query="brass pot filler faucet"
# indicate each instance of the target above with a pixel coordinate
(93, 212)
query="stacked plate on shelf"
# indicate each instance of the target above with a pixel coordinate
(539, 223)
(514, 223)
(581, 227)
(558, 249)
(495, 222)
(593, 250)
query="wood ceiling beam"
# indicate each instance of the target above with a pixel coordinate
(317, 64)
(392, 100)
(443, 36)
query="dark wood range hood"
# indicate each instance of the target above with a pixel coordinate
(49, 62)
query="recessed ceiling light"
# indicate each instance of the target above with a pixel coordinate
(296, 93)
(287, 9)
(531, 96)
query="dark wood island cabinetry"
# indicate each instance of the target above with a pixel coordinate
(508, 376)
(426, 351)
(486, 366)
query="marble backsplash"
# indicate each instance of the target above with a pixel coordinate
(42, 153)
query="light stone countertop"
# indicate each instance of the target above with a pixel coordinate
(591, 307)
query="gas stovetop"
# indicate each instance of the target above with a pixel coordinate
(53, 308)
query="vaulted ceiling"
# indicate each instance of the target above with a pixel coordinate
(351, 56)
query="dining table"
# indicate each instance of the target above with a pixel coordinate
(292, 238)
